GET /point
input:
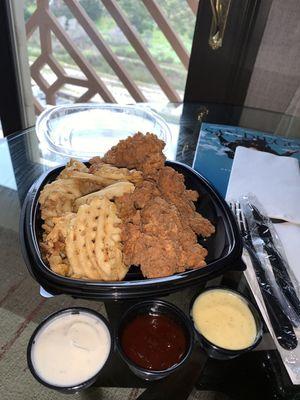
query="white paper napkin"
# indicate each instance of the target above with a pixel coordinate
(274, 180)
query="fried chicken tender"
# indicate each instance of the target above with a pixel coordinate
(172, 187)
(128, 204)
(157, 240)
(156, 235)
(161, 224)
(142, 152)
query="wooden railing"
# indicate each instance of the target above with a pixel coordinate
(45, 22)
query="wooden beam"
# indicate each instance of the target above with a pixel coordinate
(32, 24)
(133, 37)
(194, 4)
(38, 64)
(167, 30)
(37, 106)
(55, 87)
(86, 96)
(44, 27)
(91, 30)
(77, 82)
(80, 60)
(55, 66)
(41, 82)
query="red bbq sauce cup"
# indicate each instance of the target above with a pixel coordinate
(154, 338)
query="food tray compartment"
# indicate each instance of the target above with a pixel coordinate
(224, 248)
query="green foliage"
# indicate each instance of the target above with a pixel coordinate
(137, 15)
(60, 9)
(94, 8)
(29, 8)
(161, 49)
(179, 15)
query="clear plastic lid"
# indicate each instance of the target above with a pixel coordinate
(85, 130)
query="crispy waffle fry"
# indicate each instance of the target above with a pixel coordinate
(73, 165)
(53, 245)
(107, 175)
(75, 249)
(108, 171)
(93, 244)
(84, 176)
(108, 242)
(110, 192)
(58, 197)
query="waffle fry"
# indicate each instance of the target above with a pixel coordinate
(73, 165)
(84, 244)
(53, 245)
(107, 174)
(57, 197)
(108, 171)
(108, 242)
(93, 243)
(110, 192)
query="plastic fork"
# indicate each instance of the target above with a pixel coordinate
(281, 323)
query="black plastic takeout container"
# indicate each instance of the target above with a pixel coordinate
(155, 307)
(224, 248)
(83, 385)
(217, 352)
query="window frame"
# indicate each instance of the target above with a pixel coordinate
(223, 75)
(16, 102)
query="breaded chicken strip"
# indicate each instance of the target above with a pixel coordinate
(172, 188)
(157, 240)
(142, 152)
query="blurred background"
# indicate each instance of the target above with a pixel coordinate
(174, 16)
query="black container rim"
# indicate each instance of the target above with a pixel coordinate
(253, 309)
(129, 289)
(168, 306)
(72, 310)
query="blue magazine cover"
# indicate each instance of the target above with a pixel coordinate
(217, 143)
